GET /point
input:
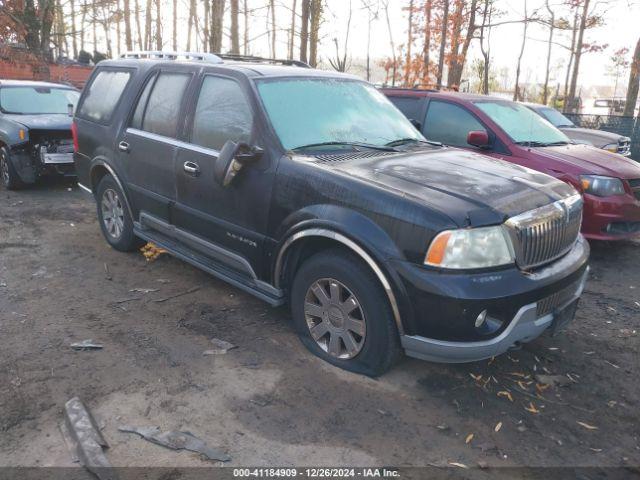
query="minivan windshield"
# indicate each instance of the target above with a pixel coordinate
(37, 100)
(521, 124)
(318, 112)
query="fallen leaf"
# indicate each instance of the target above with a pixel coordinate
(597, 450)
(469, 438)
(541, 387)
(518, 374)
(532, 408)
(477, 378)
(612, 364)
(498, 427)
(504, 393)
(587, 426)
(456, 464)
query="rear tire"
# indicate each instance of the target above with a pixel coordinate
(8, 175)
(113, 214)
(342, 314)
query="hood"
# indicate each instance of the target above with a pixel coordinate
(597, 138)
(590, 160)
(472, 189)
(43, 121)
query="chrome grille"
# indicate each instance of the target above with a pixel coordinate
(556, 300)
(542, 235)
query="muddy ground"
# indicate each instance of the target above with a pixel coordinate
(269, 402)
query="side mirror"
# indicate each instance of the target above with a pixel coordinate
(478, 138)
(232, 158)
(416, 124)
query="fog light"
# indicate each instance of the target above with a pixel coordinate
(481, 318)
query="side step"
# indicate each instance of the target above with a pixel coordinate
(258, 288)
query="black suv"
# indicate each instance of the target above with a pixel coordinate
(309, 187)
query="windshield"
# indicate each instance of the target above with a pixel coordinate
(308, 112)
(521, 124)
(37, 100)
(556, 118)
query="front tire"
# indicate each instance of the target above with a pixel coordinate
(342, 314)
(113, 214)
(8, 175)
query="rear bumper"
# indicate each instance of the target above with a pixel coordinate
(611, 218)
(518, 306)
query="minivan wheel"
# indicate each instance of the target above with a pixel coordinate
(8, 175)
(342, 314)
(113, 214)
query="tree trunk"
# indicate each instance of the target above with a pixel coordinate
(485, 32)
(516, 90)
(314, 33)
(456, 32)
(471, 28)
(570, 64)
(392, 44)
(83, 21)
(272, 9)
(634, 83)
(128, 40)
(407, 66)
(578, 55)
(443, 43)
(147, 26)
(304, 30)
(292, 30)
(217, 14)
(192, 17)
(245, 48)
(94, 26)
(74, 32)
(136, 13)
(235, 33)
(426, 52)
(158, 26)
(118, 28)
(545, 88)
(174, 18)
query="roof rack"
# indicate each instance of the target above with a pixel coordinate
(210, 57)
(252, 58)
(160, 55)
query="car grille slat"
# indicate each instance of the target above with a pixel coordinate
(544, 234)
(556, 300)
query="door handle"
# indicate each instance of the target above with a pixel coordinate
(123, 147)
(191, 168)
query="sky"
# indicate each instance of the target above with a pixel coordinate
(621, 29)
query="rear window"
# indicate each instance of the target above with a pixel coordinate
(103, 95)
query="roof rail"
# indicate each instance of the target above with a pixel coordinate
(252, 58)
(161, 55)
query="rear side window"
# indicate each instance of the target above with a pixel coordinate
(159, 105)
(449, 124)
(103, 95)
(409, 106)
(222, 113)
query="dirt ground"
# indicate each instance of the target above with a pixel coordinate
(269, 402)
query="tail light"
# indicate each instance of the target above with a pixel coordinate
(74, 135)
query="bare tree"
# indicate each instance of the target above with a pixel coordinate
(235, 33)
(394, 58)
(245, 48)
(407, 69)
(443, 42)
(138, 25)
(272, 11)
(314, 31)
(372, 14)
(552, 25)
(206, 34)
(158, 26)
(147, 26)
(174, 18)
(74, 32)
(578, 54)
(634, 83)
(516, 90)
(485, 44)
(426, 49)
(304, 29)
(292, 30)
(217, 16)
(339, 63)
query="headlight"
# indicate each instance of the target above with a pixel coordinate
(612, 147)
(471, 248)
(601, 186)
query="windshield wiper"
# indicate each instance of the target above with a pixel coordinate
(536, 143)
(404, 141)
(371, 146)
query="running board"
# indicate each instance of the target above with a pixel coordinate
(258, 288)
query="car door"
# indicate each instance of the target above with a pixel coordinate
(221, 219)
(148, 144)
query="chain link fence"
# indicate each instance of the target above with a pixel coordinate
(627, 126)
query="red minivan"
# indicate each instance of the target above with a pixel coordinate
(609, 183)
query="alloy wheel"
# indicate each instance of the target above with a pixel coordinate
(335, 318)
(112, 213)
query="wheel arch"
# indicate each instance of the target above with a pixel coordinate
(317, 238)
(101, 168)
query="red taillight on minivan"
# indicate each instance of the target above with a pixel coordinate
(74, 135)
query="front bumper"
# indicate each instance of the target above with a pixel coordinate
(520, 305)
(611, 218)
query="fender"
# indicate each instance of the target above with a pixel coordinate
(359, 234)
(103, 162)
